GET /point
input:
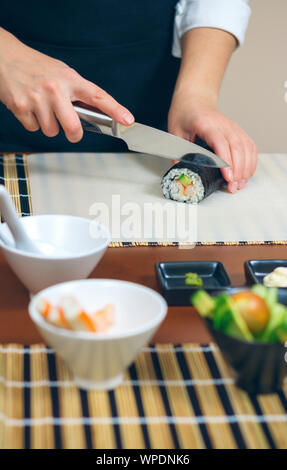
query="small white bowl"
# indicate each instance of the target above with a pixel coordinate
(98, 360)
(80, 244)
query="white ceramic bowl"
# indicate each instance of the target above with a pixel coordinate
(80, 243)
(98, 360)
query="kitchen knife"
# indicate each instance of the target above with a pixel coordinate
(145, 139)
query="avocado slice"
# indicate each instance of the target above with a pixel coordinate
(184, 179)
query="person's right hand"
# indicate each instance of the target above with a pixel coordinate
(39, 90)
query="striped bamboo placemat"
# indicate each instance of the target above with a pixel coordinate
(15, 176)
(173, 396)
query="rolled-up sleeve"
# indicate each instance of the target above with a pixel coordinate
(229, 15)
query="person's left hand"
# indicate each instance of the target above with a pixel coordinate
(191, 116)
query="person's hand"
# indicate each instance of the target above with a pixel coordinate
(191, 116)
(39, 90)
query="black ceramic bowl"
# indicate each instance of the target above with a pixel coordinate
(259, 367)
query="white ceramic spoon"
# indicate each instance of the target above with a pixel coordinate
(9, 214)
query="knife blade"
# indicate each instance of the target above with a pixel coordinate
(146, 139)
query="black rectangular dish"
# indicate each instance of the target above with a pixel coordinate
(255, 270)
(171, 279)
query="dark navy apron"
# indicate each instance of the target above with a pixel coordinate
(122, 46)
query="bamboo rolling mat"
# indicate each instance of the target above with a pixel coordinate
(14, 174)
(179, 396)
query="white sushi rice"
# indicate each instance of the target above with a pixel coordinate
(174, 190)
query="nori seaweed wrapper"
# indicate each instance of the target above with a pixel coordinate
(211, 178)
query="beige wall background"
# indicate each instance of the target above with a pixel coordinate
(254, 91)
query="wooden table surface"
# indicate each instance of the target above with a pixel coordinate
(182, 324)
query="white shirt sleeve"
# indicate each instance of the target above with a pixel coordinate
(229, 15)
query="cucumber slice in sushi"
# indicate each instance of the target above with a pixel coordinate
(203, 182)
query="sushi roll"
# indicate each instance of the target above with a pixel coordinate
(186, 182)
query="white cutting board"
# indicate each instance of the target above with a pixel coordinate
(80, 184)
